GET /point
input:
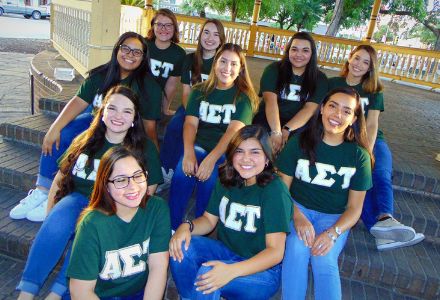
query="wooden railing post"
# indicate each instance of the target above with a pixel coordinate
(373, 18)
(254, 28)
(104, 30)
(148, 15)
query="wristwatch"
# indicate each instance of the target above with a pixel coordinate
(337, 230)
(287, 128)
(191, 225)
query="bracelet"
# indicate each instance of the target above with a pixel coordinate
(331, 236)
(191, 225)
(276, 132)
(337, 230)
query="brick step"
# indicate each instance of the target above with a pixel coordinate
(30, 130)
(18, 165)
(412, 271)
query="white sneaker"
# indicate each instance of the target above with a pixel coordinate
(38, 214)
(32, 200)
(383, 244)
(167, 177)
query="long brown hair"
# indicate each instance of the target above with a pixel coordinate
(169, 14)
(311, 137)
(229, 177)
(94, 139)
(371, 82)
(242, 81)
(197, 65)
(101, 199)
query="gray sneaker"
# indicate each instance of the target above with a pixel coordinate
(391, 229)
(167, 177)
(383, 244)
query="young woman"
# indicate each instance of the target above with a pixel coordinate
(128, 66)
(117, 122)
(328, 170)
(216, 109)
(196, 68)
(122, 238)
(166, 57)
(292, 90)
(361, 73)
(251, 207)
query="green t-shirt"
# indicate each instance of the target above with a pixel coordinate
(325, 186)
(289, 105)
(115, 252)
(165, 62)
(246, 215)
(150, 106)
(216, 112)
(186, 70)
(84, 177)
(369, 101)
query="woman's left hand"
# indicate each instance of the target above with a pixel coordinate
(205, 169)
(286, 135)
(322, 245)
(219, 276)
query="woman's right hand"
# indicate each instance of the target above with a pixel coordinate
(189, 164)
(181, 235)
(51, 137)
(304, 230)
(277, 142)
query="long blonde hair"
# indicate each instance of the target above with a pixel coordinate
(371, 82)
(243, 80)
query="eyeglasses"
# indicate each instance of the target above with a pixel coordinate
(136, 52)
(123, 182)
(167, 26)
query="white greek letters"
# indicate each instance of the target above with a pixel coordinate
(97, 101)
(157, 66)
(294, 93)
(302, 172)
(210, 113)
(251, 212)
(80, 165)
(113, 268)
(365, 103)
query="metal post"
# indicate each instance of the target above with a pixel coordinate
(31, 83)
(373, 18)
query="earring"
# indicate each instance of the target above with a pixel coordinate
(351, 124)
(132, 125)
(102, 119)
(267, 164)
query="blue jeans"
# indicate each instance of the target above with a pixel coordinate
(379, 199)
(49, 245)
(325, 268)
(172, 146)
(262, 285)
(182, 187)
(48, 164)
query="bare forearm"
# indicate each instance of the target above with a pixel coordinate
(70, 112)
(189, 137)
(273, 113)
(155, 288)
(203, 226)
(151, 131)
(303, 116)
(222, 145)
(372, 135)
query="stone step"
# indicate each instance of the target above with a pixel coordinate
(30, 130)
(18, 165)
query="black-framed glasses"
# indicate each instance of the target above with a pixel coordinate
(136, 52)
(123, 181)
(167, 26)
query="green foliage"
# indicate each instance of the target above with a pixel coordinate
(383, 29)
(199, 6)
(138, 3)
(426, 36)
(354, 13)
(298, 14)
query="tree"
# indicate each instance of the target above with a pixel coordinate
(383, 29)
(301, 14)
(138, 3)
(417, 9)
(353, 13)
(189, 6)
(426, 36)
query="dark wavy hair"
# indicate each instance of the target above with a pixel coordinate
(311, 74)
(112, 72)
(229, 177)
(151, 36)
(101, 199)
(94, 140)
(197, 65)
(357, 133)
